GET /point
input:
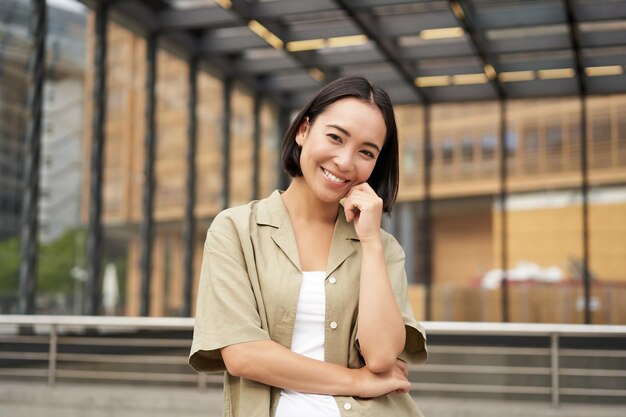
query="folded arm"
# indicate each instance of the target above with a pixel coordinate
(381, 330)
(270, 363)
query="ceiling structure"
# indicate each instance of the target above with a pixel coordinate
(422, 52)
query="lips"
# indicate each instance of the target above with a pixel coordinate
(333, 177)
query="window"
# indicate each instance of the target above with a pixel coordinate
(511, 142)
(554, 138)
(531, 139)
(601, 129)
(447, 151)
(467, 150)
(488, 146)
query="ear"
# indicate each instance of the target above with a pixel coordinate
(302, 130)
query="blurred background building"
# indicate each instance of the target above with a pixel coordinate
(512, 121)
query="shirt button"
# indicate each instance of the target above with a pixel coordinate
(333, 324)
(332, 280)
(347, 406)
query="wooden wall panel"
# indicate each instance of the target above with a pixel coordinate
(462, 246)
(271, 140)
(241, 148)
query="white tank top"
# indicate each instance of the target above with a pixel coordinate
(308, 340)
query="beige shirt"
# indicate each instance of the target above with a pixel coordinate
(249, 287)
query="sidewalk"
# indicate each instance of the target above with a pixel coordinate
(75, 400)
(19, 399)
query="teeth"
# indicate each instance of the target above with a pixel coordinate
(333, 178)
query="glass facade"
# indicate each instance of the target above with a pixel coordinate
(607, 207)
(60, 267)
(543, 211)
(457, 259)
(459, 220)
(15, 46)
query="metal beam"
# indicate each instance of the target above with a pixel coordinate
(365, 4)
(249, 67)
(411, 24)
(582, 90)
(283, 125)
(278, 8)
(514, 16)
(464, 18)
(32, 157)
(218, 17)
(212, 45)
(504, 235)
(94, 236)
(199, 18)
(147, 223)
(246, 11)
(426, 219)
(342, 28)
(286, 82)
(584, 168)
(142, 19)
(189, 226)
(137, 16)
(387, 49)
(574, 37)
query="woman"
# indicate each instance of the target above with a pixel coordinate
(302, 296)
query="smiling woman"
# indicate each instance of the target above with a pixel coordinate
(303, 297)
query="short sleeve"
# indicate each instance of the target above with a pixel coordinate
(415, 346)
(227, 311)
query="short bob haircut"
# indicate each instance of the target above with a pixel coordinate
(384, 177)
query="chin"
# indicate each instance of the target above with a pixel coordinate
(331, 197)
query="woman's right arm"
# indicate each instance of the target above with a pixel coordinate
(272, 364)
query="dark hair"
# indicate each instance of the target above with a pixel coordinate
(384, 177)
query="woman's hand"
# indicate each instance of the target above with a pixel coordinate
(369, 384)
(363, 206)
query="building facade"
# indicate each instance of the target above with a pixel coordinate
(544, 217)
(485, 186)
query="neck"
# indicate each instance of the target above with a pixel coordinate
(302, 204)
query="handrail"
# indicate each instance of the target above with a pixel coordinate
(552, 352)
(522, 329)
(100, 321)
(431, 327)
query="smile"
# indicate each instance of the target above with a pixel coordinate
(333, 178)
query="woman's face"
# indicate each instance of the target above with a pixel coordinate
(340, 148)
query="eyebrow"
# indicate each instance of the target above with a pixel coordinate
(344, 131)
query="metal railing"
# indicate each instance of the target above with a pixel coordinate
(546, 362)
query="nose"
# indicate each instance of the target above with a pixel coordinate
(343, 160)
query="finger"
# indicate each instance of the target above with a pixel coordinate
(404, 387)
(402, 390)
(403, 366)
(350, 210)
(363, 186)
(352, 205)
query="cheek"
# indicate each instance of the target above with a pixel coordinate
(365, 170)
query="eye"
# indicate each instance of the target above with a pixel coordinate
(334, 137)
(367, 153)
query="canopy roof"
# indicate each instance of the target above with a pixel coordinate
(426, 51)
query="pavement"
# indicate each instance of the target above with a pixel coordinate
(31, 399)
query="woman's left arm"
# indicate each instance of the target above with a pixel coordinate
(381, 331)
